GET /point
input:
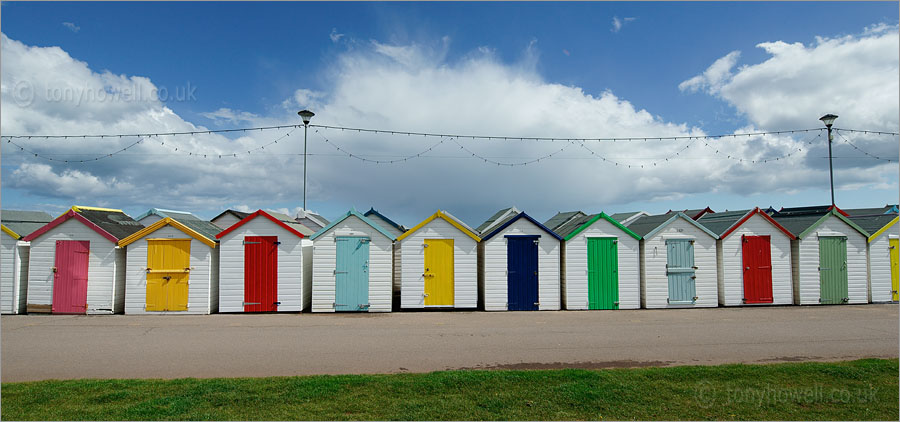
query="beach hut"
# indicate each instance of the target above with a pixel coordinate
(311, 220)
(262, 265)
(173, 268)
(828, 256)
(14, 256)
(228, 218)
(882, 253)
(439, 264)
(627, 218)
(155, 214)
(75, 266)
(352, 266)
(600, 263)
(754, 258)
(678, 262)
(519, 264)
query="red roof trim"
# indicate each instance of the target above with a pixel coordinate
(766, 216)
(839, 210)
(62, 219)
(254, 215)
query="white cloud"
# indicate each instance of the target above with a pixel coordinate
(335, 36)
(414, 87)
(617, 23)
(715, 75)
(72, 26)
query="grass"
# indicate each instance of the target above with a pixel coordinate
(854, 390)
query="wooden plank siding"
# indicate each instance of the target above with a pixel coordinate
(575, 291)
(495, 266)
(654, 281)
(412, 265)
(730, 280)
(807, 259)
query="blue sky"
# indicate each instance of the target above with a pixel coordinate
(252, 57)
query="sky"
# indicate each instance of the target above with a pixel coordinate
(561, 70)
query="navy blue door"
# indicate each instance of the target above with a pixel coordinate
(522, 278)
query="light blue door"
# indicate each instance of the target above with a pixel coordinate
(351, 275)
(680, 271)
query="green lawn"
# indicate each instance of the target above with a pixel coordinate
(862, 389)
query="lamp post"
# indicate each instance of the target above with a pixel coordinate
(306, 115)
(828, 119)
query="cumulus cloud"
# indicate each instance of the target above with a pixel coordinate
(415, 87)
(72, 26)
(715, 75)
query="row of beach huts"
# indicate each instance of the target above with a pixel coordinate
(101, 261)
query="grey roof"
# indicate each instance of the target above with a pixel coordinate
(24, 223)
(239, 214)
(206, 228)
(647, 223)
(562, 218)
(868, 211)
(573, 224)
(622, 216)
(163, 213)
(692, 212)
(819, 210)
(719, 222)
(385, 222)
(310, 223)
(490, 221)
(872, 223)
(292, 223)
(116, 223)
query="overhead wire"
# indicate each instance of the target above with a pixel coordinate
(847, 141)
(368, 160)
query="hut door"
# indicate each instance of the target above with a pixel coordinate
(70, 277)
(260, 273)
(351, 275)
(680, 271)
(894, 270)
(522, 273)
(833, 269)
(756, 254)
(438, 272)
(603, 273)
(168, 272)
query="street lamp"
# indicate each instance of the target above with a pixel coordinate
(828, 119)
(305, 115)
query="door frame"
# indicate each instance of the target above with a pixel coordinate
(185, 274)
(615, 242)
(691, 271)
(745, 268)
(56, 276)
(360, 307)
(452, 277)
(844, 280)
(263, 240)
(537, 269)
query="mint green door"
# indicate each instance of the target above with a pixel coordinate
(833, 269)
(603, 273)
(351, 274)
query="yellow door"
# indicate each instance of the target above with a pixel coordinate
(438, 272)
(894, 270)
(168, 271)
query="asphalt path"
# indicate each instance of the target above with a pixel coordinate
(37, 347)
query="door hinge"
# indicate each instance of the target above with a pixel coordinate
(251, 303)
(694, 299)
(276, 303)
(276, 243)
(252, 243)
(336, 272)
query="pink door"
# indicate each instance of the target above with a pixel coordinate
(70, 276)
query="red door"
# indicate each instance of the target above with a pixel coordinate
(260, 273)
(757, 257)
(70, 277)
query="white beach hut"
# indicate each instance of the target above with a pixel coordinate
(678, 262)
(754, 258)
(352, 266)
(828, 257)
(75, 266)
(14, 256)
(439, 264)
(600, 263)
(173, 268)
(262, 265)
(882, 254)
(519, 264)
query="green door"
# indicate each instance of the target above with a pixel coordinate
(603, 273)
(833, 269)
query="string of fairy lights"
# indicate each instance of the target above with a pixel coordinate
(713, 142)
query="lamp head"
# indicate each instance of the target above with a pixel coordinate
(828, 119)
(306, 115)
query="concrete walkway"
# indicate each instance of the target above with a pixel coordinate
(65, 347)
